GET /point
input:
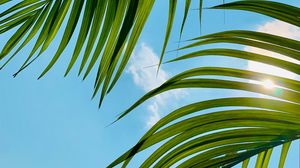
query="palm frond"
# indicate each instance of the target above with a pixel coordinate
(110, 29)
(106, 26)
(172, 11)
(252, 126)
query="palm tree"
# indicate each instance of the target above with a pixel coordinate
(230, 136)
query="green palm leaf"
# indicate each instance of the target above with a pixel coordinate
(111, 27)
(116, 22)
(253, 126)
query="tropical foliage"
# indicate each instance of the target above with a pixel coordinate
(106, 25)
(223, 138)
(252, 126)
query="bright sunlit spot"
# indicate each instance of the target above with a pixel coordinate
(268, 84)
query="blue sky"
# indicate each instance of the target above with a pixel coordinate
(53, 122)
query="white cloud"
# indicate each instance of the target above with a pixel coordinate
(154, 114)
(281, 29)
(144, 76)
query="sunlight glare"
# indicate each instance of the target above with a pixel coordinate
(268, 84)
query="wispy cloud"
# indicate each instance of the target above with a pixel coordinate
(144, 76)
(279, 28)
